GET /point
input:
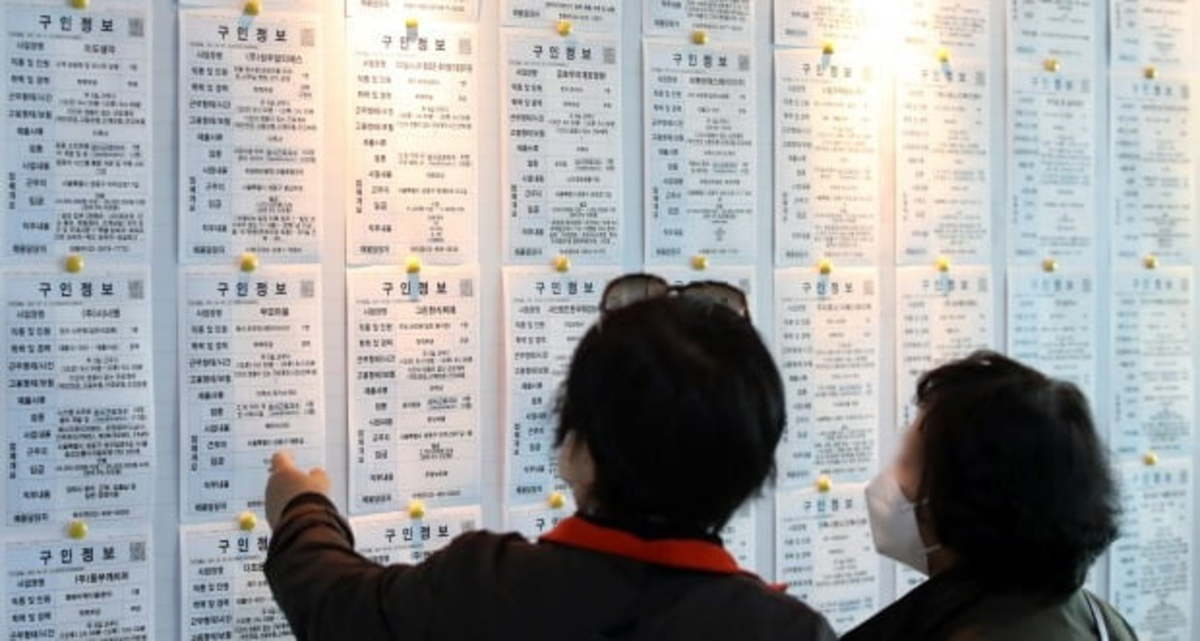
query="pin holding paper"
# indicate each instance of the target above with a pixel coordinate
(252, 7)
(565, 28)
(80, 4)
(700, 37)
(412, 25)
(247, 521)
(825, 267)
(942, 264)
(562, 264)
(1150, 73)
(557, 501)
(248, 263)
(412, 268)
(416, 509)
(1049, 265)
(1150, 262)
(77, 529)
(824, 483)
(75, 264)
(1150, 459)
(699, 262)
(1052, 65)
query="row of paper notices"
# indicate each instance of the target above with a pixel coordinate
(1152, 33)
(720, 19)
(76, 137)
(561, 138)
(546, 314)
(943, 172)
(583, 15)
(414, 143)
(251, 382)
(414, 374)
(225, 594)
(827, 159)
(398, 538)
(100, 589)
(940, 316)
(1052, 146)
(700, 142)
(825, 555)
(250, 113)
(1153, 168)
(1153, 325)
(1151, 565)
(458, 10)
(78, 396)
(828, 349)
(1052, 324)
(1041, 30)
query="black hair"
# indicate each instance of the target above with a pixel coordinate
(681, 407)
(1015, 477)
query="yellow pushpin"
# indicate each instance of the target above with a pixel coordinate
(77, 530)
(80, 4)
(411, 24)
(416, 509)
(1049, 265)
(564, 28)
(943, 55)
(699, 262)
(252, 7)
(827, 48)
(824, 483)
(943, 264)
(412, 265)
(1052, 65)
(75, 264)
(1150, 459)
(247, 521)
(1150, 73)
(562, 264)
(1150, 262)
(557, 501)
(248, 262)
(825, 267)
(700, 37)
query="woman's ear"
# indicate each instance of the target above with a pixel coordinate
(576, 467)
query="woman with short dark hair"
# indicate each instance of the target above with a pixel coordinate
(1002, 494)
(671, 413)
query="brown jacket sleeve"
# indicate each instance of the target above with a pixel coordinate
(328, 591)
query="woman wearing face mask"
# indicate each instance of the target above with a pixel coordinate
(1001, 494)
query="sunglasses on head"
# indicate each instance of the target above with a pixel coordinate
(635, 288)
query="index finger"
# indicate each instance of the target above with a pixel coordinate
(281, 461)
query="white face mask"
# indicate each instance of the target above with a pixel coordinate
(894, 523)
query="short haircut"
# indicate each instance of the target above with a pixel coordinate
(1016, 479)
(681, 407)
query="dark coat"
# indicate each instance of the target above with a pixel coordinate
(489, 586)
(953, 607)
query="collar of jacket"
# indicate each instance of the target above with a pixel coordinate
(684, 554)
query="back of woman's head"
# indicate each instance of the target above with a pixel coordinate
(681, 407)
(1016, 479)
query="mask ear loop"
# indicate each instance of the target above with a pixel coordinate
(928, 549)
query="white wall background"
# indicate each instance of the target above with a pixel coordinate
(164, 252)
